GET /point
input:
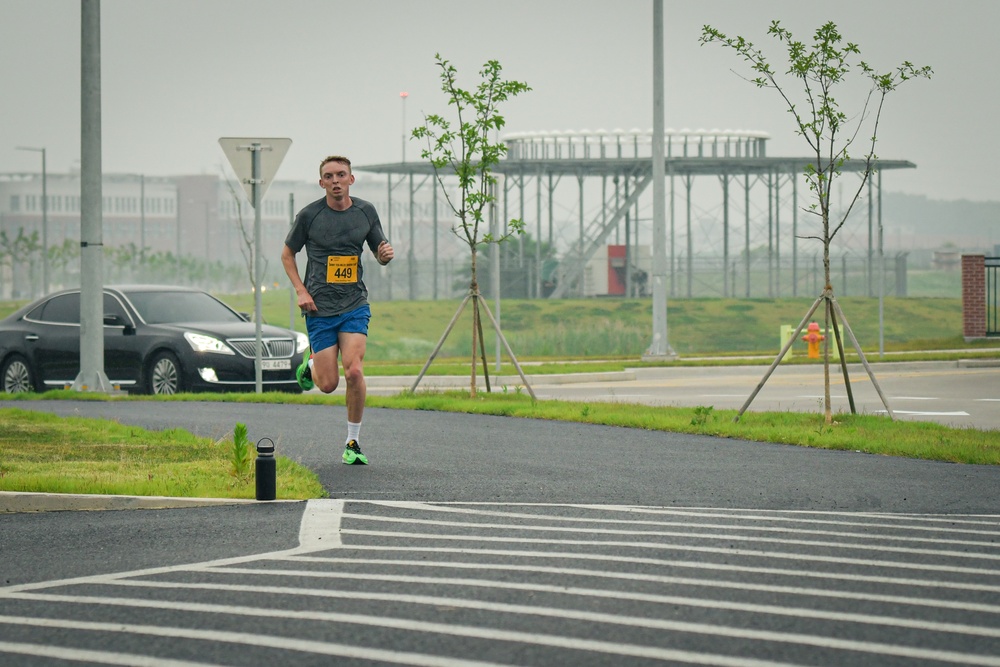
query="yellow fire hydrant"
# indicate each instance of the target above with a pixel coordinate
(814, 338)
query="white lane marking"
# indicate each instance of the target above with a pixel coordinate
(616, 396)
(426, 507)
(320, 519)
(811, 558)
(958, 413)
(285, 643)
(978, 555)
(76, 654)
(320, 526)
(496, 634)
(913, 398)
(662, 579)
(101, 578)
(774, 516)
(327, 648)
(724, 511)
(668, 563)
(556, 612)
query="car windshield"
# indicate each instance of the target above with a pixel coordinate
(166, 307)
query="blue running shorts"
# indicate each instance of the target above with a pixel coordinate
(323, 331)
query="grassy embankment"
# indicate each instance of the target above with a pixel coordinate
(405, 333)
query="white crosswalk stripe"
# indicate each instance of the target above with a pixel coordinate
(419, 583)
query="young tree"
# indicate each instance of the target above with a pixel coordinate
(124, 260)
(246, 233)
(64, 257)
(463, 149)
(21, 250)
(6, 259)
(818, 71)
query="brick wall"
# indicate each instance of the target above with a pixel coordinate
(973, 296)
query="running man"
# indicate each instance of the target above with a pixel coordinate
(333, 298)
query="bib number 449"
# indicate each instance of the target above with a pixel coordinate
(341, 269)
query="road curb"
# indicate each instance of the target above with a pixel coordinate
(14, 501)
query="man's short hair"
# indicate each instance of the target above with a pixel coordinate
(334, 158)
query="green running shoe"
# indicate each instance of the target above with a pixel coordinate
(353, 456)
(303, 374)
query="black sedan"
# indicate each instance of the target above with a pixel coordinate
(157, 340)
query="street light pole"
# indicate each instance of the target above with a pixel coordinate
(403, 97)
(142, 216)
(45, 218)
(178, 230)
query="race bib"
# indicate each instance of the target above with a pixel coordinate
(342, 269)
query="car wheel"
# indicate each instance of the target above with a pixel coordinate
(164, 374)
(16, 375)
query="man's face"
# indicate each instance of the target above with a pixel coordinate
(336, 178)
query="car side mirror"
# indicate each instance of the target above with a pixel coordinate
(114, 320)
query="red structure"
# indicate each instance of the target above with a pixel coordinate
(973, 296)
(616, 270)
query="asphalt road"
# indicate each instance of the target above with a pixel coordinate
(491, 540)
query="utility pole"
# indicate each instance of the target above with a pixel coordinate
(403, 95)
(660, 348)
(91, 377)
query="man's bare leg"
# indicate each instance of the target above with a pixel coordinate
(324, 370)
(352, 353)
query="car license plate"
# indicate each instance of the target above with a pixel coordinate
(275, 364)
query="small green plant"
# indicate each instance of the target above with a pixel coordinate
(241, 460)
(702, 414)
(585, 411)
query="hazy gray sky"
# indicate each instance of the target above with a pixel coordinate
(179, 74)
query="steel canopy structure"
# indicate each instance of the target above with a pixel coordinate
(735, 157)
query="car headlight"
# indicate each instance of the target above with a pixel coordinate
(301, 342)
(203, 343)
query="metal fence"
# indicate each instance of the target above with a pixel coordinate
(701, 277)
(992, 296)
(412, 279)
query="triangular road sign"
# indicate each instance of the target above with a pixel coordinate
(240, 151)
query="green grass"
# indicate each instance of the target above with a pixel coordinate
(867, 433)
(43, 453)
(864, 433)
(407, 331)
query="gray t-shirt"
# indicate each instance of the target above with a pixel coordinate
(334, 242)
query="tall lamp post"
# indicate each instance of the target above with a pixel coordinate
(45, 218)
(403, 95)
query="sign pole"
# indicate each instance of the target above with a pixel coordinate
(255, 184)
(255, 150)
